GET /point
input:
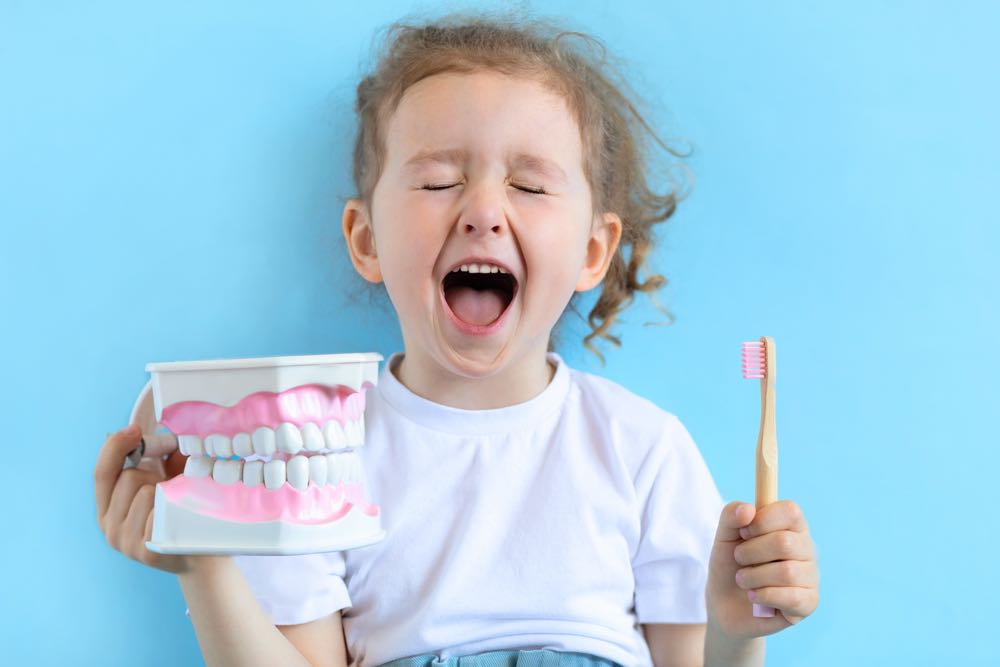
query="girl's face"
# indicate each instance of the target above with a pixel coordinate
(488, 168)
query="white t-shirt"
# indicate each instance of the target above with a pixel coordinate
(558, 523)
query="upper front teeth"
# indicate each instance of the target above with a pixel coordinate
(480, 268)
(286, 438)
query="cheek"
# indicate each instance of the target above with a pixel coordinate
(561, 267)
(407, 248)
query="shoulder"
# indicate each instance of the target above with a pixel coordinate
(630, 418)
(651, 443)
(620, 405)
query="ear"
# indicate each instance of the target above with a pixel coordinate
(360, 237)
(601, 247)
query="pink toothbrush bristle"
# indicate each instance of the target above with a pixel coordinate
(754, 362)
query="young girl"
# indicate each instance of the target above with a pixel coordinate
(535, 514)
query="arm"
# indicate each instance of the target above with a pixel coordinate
(698, 645)
(321, 641)
(232, 629)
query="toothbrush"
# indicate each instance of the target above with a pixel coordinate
(760, 361)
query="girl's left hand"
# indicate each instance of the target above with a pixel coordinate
(765, 556)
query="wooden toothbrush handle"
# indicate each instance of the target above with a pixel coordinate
(767, 439)
(767, 446)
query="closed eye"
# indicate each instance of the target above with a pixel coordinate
(523, 188)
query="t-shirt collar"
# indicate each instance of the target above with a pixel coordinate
(427, 413)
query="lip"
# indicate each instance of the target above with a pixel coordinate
(478, 329)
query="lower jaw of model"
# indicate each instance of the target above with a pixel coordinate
(201, 516)
(291, 489)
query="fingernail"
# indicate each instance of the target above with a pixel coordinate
(745, 533)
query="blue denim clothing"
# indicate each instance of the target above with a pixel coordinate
(534, 658)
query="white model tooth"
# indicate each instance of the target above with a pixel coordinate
(333, 433)
(494, 269)
(220, 446)
(465, 267)
(361, 431)
(274, 474)
(298, 472)
(346, 464)
(473, 268)
(253, 473)
(227, 471)
(354, 468)
(334, 469)
(263, 441)
(353, 433)
(317, 470)
(198, 466)
(242, 445)
(345, 467)
(501, 269)
(289, 438)
(190, 445)
(312, 437)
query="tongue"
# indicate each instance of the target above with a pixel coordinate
(474, 306)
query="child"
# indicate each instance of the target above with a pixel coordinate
(534, 513)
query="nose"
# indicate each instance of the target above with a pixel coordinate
(484, 213)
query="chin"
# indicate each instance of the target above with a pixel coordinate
(475, 363)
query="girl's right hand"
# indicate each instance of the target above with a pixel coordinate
(125, 499)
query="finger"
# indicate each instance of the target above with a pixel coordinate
(134, 525)
(147, 534)
(122, 496)
(792, 601)
(735, 515)
(783, 573)
(109, 465)
(779, 515)
(782, 545)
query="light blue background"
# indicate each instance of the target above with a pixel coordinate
(171, 184)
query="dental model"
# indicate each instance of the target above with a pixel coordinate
(272, 446)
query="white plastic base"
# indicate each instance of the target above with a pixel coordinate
(177, 530)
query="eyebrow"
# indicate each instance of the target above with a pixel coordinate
(529, 161)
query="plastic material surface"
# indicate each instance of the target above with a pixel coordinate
(185, 521)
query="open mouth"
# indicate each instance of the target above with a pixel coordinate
(478, 299)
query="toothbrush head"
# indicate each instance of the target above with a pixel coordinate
(754, 360)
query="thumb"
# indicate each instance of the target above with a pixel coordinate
(735, 515)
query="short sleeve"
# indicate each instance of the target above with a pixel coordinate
(297, 589)
(680, 507)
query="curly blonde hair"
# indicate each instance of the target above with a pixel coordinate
(615, 147)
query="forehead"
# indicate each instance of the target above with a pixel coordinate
(451, 116)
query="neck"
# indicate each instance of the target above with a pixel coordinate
(516, 383)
